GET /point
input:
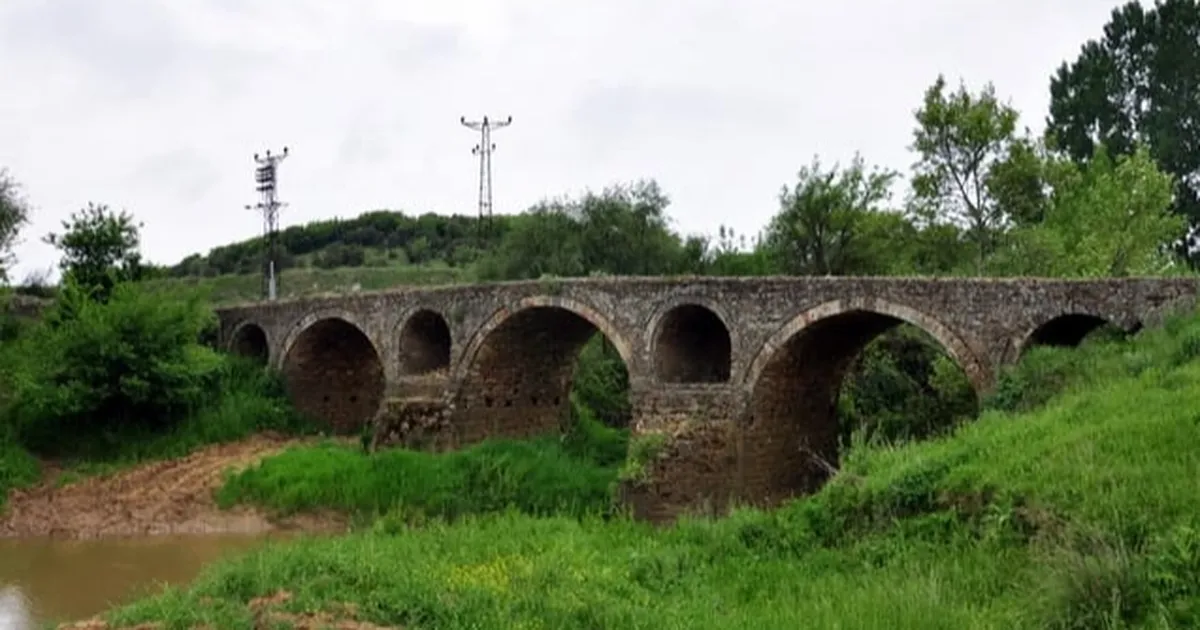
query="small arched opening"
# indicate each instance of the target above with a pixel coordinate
(848, 371)
(424, 344)
(692, 345)
(333, 373)
(250, 341)
(1071, 329)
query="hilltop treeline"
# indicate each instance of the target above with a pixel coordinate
(333, 243)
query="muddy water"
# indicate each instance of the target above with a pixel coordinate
(64, 580)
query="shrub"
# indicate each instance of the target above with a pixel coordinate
(99, 372)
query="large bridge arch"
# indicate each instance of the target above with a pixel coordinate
(333, 370)
(789, 430)
(514, 376)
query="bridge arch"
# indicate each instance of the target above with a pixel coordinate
(690, 342)
(1068, 329)
(333, 370)
(515, 375)
(250, 340)
(424, 341)
(789, 431)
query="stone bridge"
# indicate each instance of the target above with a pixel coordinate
(740, 374)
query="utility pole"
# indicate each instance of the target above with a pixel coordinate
(266, 180)
(484, 151)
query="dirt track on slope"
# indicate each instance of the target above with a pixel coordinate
(167, 497)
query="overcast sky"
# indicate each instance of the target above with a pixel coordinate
(156, 106)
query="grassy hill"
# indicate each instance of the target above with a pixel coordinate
(375, 250)
(1074, 502)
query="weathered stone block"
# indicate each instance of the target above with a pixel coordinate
(413, 423)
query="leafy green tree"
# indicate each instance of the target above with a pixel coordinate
(818, 230)
(544, 241)
(1137, 84)
(99, 249)
(626, 230)
(622, 231)
(129, 364)
(14, 214)
(1110, 217)
(960, 139)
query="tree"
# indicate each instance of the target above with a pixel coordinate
(100, 248)
(14, 214)
(1138, 84)
(622, 231)
(818, 229)
(543, 241)
(626, 230)
(131, 363)
(1110, 217)
(960, 139)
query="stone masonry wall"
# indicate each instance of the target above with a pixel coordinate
(747, 419)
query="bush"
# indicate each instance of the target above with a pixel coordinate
(903, 386)
(97, 372)
(130, 378)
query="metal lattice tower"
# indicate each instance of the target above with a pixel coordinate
(484, 151)
(266, 183)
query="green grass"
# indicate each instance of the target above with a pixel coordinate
(571, 475)
(307, 281)
(1082, 511)
(17, 468)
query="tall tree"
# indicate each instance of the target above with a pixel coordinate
(819, 227)
(14, 214)
(1110, 217)
(1138, 84)
(960, 138)
(99, 248)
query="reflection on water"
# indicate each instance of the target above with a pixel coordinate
(14, 613)
(64, 580)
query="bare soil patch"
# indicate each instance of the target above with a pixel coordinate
(158, 498)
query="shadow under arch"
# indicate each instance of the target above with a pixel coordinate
(250, 340)
(789, 431)
(691, 343)
(514, 377)
(333, 372)
(1069, 330)
(424, 342)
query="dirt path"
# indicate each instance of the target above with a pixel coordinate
(168, 497)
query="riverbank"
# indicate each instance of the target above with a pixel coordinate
(167, 497)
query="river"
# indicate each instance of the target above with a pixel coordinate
(66, 580)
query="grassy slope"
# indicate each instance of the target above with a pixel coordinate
(1082, 513)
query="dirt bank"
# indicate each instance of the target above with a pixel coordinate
(266, 614)
(168, 497)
